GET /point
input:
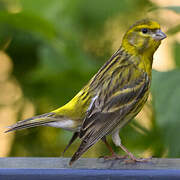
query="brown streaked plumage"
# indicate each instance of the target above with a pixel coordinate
(124, 83)
(119, 103)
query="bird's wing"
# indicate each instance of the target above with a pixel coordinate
(120, 96)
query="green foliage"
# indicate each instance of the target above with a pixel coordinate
(177, 54)
(52, 64)
(166, 98)
(174, 30)
(173, 8)
(176, 9)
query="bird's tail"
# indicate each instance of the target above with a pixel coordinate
(84, 146)
(32, 122)
(81, 150)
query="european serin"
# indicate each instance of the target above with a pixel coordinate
(112, 97)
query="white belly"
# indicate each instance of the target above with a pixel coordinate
(65, 124)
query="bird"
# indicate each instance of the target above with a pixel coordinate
(112, 97)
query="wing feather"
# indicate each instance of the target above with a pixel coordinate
(113, 106)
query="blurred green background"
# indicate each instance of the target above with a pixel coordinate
(49, 51)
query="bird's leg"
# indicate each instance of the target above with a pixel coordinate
(133, 158)
(117, 141)
(108, 146)
(113, 154)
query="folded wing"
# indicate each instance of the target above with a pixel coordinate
(113, 108)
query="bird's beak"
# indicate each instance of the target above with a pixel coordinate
(159, 35)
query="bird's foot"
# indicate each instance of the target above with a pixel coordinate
(134, 159)
(113, 157)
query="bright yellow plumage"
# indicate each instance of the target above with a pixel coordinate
(69, 111)
(113, 96)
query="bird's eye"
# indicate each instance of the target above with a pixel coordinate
(144, 30)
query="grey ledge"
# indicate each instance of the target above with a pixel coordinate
(89, 168)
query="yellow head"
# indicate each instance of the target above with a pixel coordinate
(143, 37)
